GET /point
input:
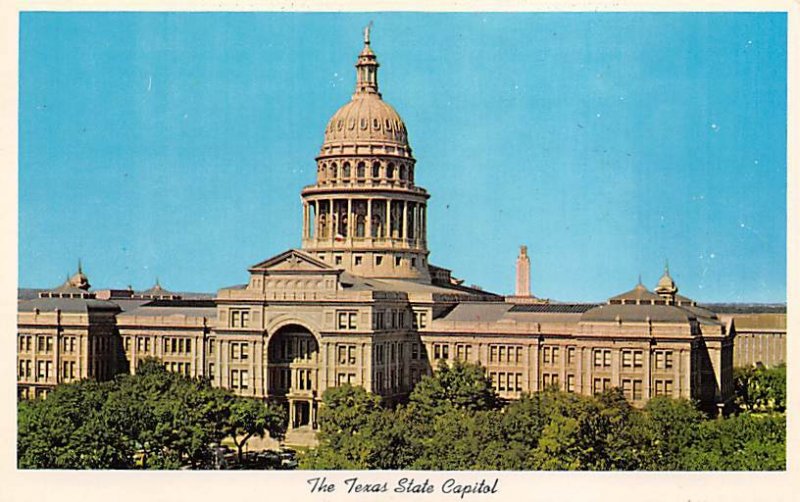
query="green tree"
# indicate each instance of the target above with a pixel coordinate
(461, 385)
(673, 426)
(760, 388)
(252, 417)
(345, 436)
(743, 442)
(71, 429)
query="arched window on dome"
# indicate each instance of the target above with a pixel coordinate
(361, 170)
(334, 171)
(322, 171)
(346, 171)
(376, 170)
(411, 174)
(402, 172)
(390, 171)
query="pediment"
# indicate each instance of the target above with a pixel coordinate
(293, 260)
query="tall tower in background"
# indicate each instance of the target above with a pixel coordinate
(523, 273)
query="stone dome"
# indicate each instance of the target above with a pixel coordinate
(366, 118)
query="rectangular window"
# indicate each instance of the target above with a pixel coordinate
(627, 389)
(555, 355)
(602, 358)
(501, 379)
(414, 351)
(638, 357)
(245, 379)
(445, 351)
(571, 355)
(346, 320)
(518, 355)
(236, 316)
(627, 359)
(211, 345)
(492, 353)
(637, 390)
(437, 351)
(518, 382)
(188, 345)
(235, 351)
(342, 350)
(663, 359)
(570, 383)
(545, 355)
(244, 350)
(467, 351)
(211, 371)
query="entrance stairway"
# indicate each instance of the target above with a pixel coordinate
(301, 436)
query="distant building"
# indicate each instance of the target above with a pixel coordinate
(360, 304)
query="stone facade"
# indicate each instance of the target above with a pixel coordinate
(360, 304)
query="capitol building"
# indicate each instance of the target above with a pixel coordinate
(359, 303)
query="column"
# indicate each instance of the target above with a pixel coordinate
(387, 232)
(350, 232)
(305, 220)
(368, 226)
(291, 415)
(648, 378)
(404, 225)
(331, 221)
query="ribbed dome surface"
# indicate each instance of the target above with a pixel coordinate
(366, 118)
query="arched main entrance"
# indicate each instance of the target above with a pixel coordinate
(293, 373)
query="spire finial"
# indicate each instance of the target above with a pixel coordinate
(666, 266)
(80, 266)
(366, 33)
(640, 280)
(367, 69)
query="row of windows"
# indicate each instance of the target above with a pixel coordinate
(390, 319)
(506, 381)
(283, 379)
(179, 368)
(396, 380)
(506, 354)
(632, 358)
(45, 343)
(44, 369)
(346, 172)
(175, 345)
(293, 348)
(394, 350)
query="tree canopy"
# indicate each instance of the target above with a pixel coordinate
(153, 419)
(455, 421)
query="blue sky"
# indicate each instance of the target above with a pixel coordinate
(175, 145)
